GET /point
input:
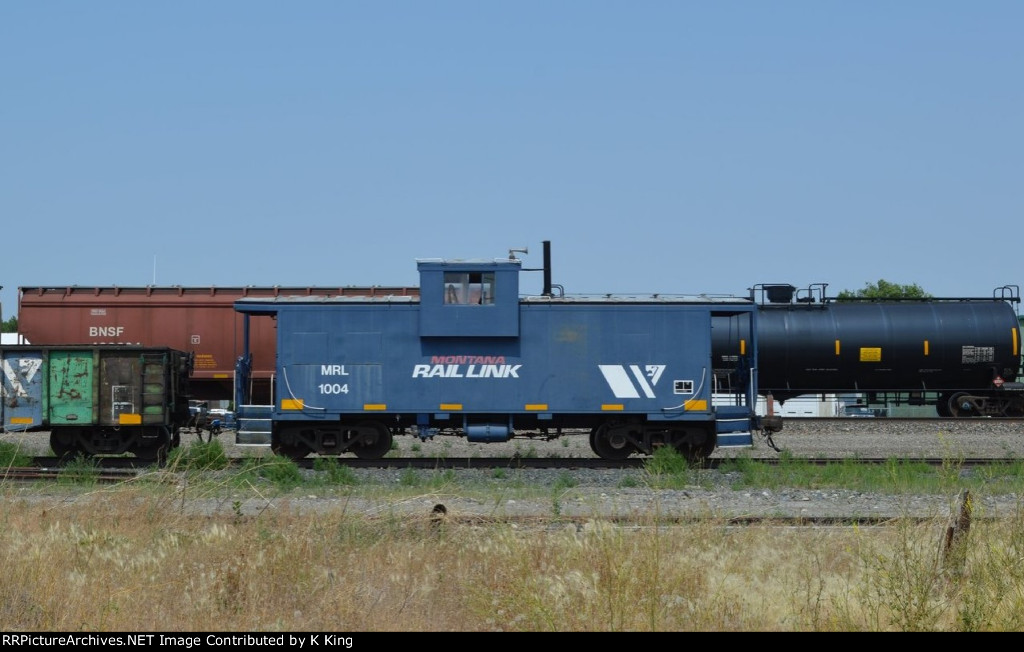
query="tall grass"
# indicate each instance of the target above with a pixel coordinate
(161, 556)
(12, 455)
(89, 565)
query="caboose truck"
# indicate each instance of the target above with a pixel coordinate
(471, 357)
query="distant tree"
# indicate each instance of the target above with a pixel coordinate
(885, 290)
(9, 325)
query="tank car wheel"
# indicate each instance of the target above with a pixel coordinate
(372, 446)
(958, 407)
(1014, 409)
(610, 445)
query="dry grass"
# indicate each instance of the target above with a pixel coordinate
(132, 558)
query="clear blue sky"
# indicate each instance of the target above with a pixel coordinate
(661, 146)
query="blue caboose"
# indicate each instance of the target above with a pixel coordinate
(473, 358)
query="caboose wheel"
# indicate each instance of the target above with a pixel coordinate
(294, 452)
(610, 444)
(373, 442)
(696, 444)
(287, 443)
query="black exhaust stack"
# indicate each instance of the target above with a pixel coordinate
(547, 268)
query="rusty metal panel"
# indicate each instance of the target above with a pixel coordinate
(201, 320)
(133, 388)
(120, 388)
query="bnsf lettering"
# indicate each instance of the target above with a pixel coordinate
(106, 331)
(333, 370)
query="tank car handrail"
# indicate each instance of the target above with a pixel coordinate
(778, 294)
(920, 299)
(1007, 293)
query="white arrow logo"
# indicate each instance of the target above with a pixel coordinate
(621, 382)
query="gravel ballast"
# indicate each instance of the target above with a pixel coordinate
(618, 494)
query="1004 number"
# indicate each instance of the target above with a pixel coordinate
(333, 388)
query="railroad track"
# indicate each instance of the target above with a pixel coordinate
(439, 517)
(117, 469)
(56, 473)
(456, 463)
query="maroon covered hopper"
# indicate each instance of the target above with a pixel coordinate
(197, 319)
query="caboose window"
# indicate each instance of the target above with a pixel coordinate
(469, 288)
